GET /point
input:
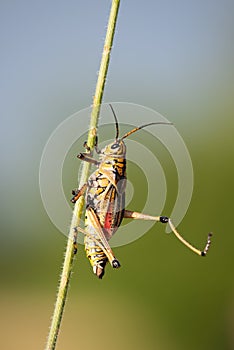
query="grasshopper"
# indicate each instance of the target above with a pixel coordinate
(105, 202)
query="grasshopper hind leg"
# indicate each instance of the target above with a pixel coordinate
(128, 214)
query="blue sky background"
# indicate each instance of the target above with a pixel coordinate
(175, 57)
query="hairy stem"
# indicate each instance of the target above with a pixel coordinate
(77, 212)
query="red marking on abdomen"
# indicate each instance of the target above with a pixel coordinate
(108, 221)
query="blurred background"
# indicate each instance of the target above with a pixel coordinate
(176, 58)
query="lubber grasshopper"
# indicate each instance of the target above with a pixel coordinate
(105, 202)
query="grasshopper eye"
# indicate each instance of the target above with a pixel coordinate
(115, 145)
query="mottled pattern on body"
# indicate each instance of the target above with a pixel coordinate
(105, 194)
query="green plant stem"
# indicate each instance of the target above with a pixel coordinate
(78, 208)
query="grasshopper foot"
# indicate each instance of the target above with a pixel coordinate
(76, 195)
(115, 264)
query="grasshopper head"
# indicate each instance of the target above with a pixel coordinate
(116, 148)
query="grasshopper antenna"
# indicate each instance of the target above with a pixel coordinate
(133, 130)
(143, 126)
(116, 122)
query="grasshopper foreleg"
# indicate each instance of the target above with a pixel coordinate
(88, 155)
(164, 219)
(98, 151)
(88, 149)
